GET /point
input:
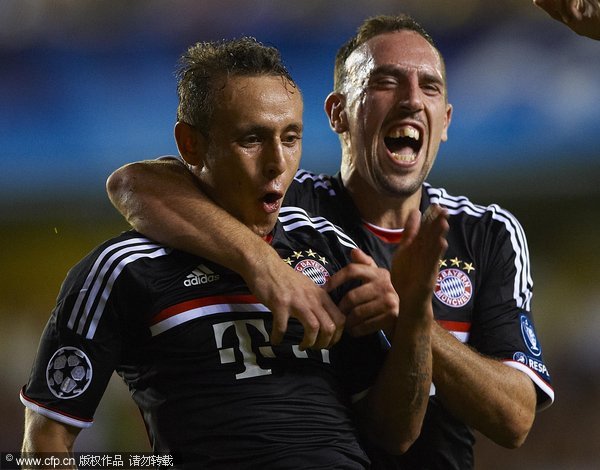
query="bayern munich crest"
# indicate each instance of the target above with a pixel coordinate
(69, 373)
(314, 270)
(453, 287)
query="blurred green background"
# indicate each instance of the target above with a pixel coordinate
(87, 86)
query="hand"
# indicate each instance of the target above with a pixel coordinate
(288, 293)
(415, 263)
(373, 305)
(582, 16)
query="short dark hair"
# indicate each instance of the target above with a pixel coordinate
(370, 28)
(205, 63)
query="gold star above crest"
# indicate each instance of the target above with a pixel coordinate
(297, 254)
(288, 260)
(443, 263)
(455, 262)
(468, 267)
(310, 253)
(323, 260)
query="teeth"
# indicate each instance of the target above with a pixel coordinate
(410, 132)
(404, 158)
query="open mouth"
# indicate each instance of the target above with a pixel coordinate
(271, 201)
(403, 143)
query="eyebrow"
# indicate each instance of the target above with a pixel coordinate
(261, 130)
(398, 70)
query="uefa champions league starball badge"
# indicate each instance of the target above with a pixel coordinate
(69, 373)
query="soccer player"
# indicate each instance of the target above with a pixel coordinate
(391, 112)
(191, 341)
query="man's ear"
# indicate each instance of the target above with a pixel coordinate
(335, 108)
(447, 122)
(190, 143)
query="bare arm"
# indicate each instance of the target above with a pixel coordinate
(392, 413)
(495, 399)
(582, 16)
(44, 435)
(162, 200)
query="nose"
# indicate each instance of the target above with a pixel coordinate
(411, 95)
(274, 159)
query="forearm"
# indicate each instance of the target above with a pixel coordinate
(400, 396)
(497, 400)
(398, 400)
(162, 200)
(46, 436)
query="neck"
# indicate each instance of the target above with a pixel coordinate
(383, 210)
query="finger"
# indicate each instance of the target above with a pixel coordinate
(371, 325)
(334, 322)
(350, 272)
(324, 326)
(339, 278)
(359, 256)
(375, 289)
(311, 331)
(574, 10)
(279, 328)
(384, 304)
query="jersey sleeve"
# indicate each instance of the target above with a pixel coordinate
(503, 326)
(75, 357)
(306, 191)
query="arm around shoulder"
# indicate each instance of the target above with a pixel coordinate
(162, 200)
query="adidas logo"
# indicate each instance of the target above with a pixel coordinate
(200, 275)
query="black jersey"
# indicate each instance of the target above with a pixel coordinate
(482, 295)
(193, 346)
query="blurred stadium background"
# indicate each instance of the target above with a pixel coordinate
(86, 86)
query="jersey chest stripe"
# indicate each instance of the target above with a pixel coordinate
(459, 329)
(463, 326)
(199, 312)
(202, 302)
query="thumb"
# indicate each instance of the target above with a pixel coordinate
(360, 257)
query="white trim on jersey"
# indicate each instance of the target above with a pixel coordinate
(101, 278)
(292, 217)
(541, 383)
(61, 418)
(523, 283)
(320, 181)
(462, 336)
(207, 310)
